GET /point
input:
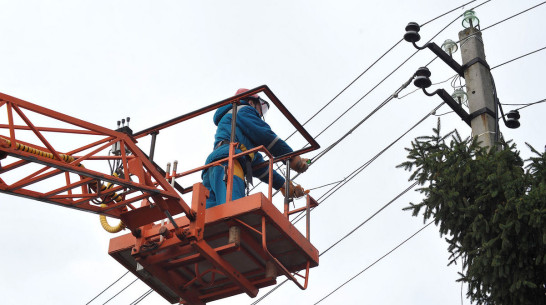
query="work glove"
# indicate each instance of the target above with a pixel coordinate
(299, 164)
(296, 191)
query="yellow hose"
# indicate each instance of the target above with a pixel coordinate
(106, 226)
(103, 221)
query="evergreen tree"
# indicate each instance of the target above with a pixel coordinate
(491, 206)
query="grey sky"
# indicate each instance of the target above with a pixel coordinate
(152, 60)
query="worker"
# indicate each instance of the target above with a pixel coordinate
(251, 131)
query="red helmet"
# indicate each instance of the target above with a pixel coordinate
(243, 90)
(263, 103)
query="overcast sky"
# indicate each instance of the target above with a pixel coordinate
(153, 60)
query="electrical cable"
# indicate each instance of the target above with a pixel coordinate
(372, 216)
(299, 217)
(442, 15)
(514, 59)
(378, 260)
(357, 171)
(107, 288)
(120, 291)
(508, 18)
(347, 235)
(524, 105)
(142, 297)
(331, 146)
(441, 114)
(318, 187)
(419, 89)
(350, 84)
(377, 60)
(381, 105)
(366, 164)
(392, 72)
(385, 102)
(371, 90)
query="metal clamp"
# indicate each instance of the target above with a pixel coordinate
(480, 112)
(473, 61)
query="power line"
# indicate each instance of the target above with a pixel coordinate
(377, 85)
(441, 114)
(325, 185)
(107, 288)
(392, 72)
(442, 15)
(357, 171)
(110, 299)
(331, 146)
(347, 235)
(350, 84)
(508, 18)
(419, 89)
(511, 60)
(385, 102)
(372, 216)
(373, 64)
(366, 164)
(142, 297)
(524, 105)
(372, 264)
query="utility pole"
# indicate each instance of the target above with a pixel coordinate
(479, 87)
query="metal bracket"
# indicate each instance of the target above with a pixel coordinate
(480, 112)
(451, 103)
(473, 61)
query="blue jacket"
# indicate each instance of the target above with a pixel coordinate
(251, 131)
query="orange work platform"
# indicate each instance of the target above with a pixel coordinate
(246, 244)
(201, 256)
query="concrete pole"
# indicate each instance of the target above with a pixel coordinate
(479, 87)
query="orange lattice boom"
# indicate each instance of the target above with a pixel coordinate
(201, 256)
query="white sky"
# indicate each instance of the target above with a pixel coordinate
(154, 60)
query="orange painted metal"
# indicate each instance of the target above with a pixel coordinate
(313, 145)
(80, 190)
(191, 260)
(196, 271)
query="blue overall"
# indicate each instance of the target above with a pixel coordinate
(251, 131)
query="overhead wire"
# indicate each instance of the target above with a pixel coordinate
(347, 87)
(343, 90)
(448, 12)
(508, 18)
(107, 288)
(142, 297)
(392, 72)
(110, 299)
(519, 57)
(358, 170)
(344, 237)
(373, 64)
(372, 216)
(419, 89)
(375, 262)
(276, 287)
(380, 82)
(524, 105)
(331, 146)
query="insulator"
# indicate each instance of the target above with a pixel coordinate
(412, 32)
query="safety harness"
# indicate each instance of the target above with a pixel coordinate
(246, 174)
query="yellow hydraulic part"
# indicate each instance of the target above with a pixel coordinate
(67, 158)
(19, 146)
(106, 226)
